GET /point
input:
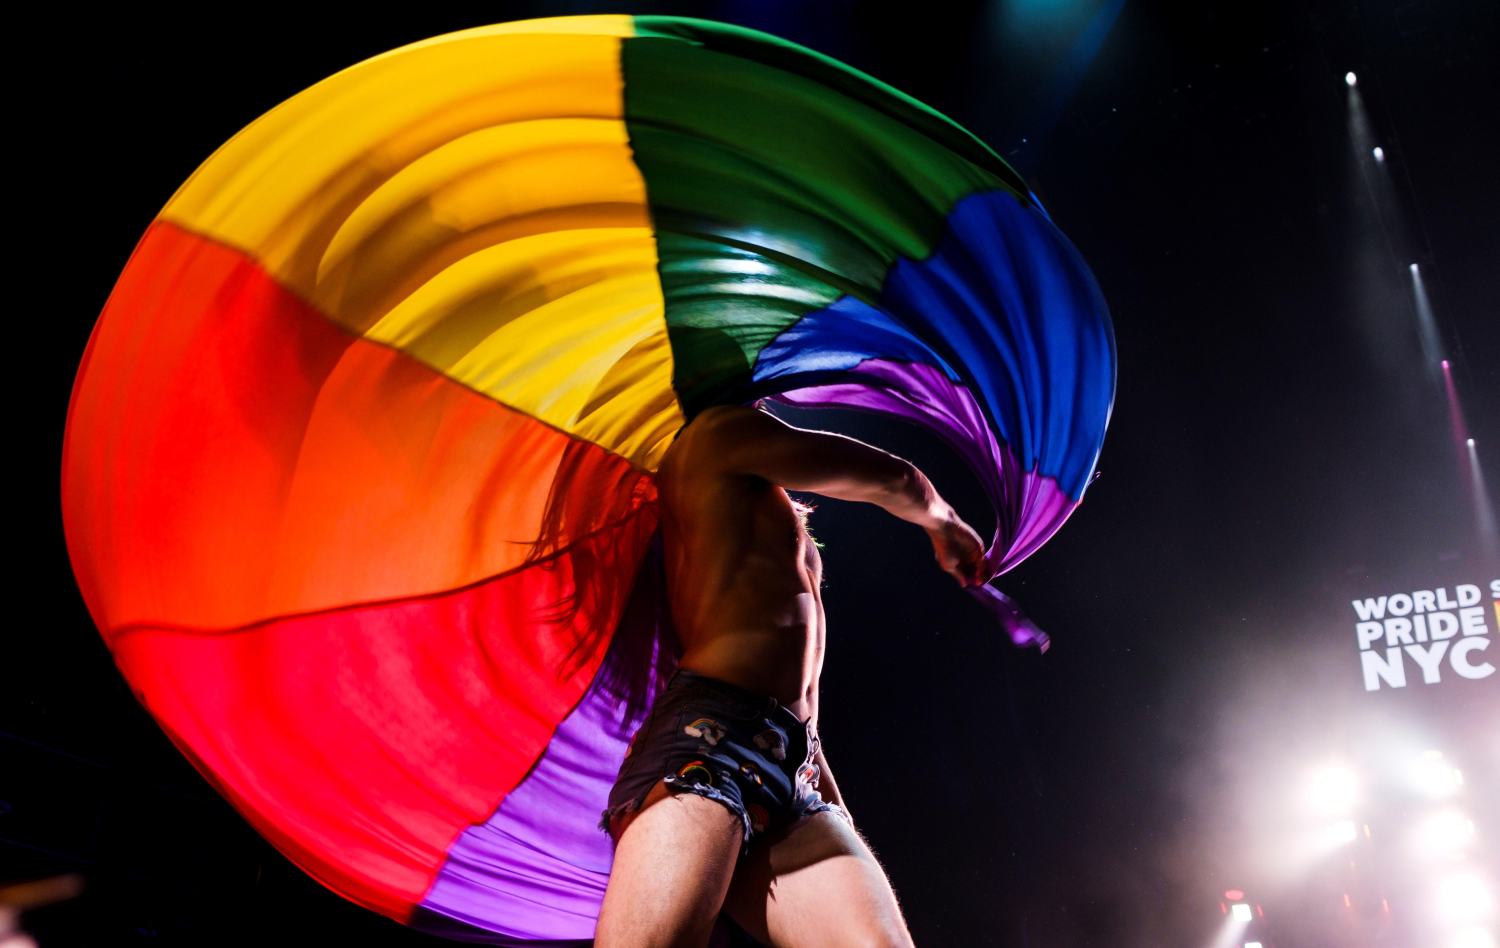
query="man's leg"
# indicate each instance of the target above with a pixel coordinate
(816, 883)
(674, 860)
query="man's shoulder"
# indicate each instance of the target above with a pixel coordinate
(706, 446)
(715, 418)
(729, 410)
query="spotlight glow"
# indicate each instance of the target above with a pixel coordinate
(1434, 776)
(1240, 912)
(1379, 153)
(1343, 832)
(1414, 268)
(1472, 938)
(1333, 790)
(1231, 934)
(1463, 898)
(1350, 78)
(1444, 834)
(1445, 365)
(1252, 944)
(1470, 442)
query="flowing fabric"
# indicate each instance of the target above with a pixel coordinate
(358, 471)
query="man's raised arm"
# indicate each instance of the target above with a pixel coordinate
(744, 440)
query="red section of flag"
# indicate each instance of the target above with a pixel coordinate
(362, 742)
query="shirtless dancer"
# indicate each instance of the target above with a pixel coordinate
(748, 818)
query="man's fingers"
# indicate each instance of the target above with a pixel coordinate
(966, 568)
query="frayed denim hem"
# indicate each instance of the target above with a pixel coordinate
(818, 806)
(679, 784)
(676, 783)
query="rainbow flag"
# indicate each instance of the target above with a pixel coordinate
(358, 475)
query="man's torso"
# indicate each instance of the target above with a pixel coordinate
(743, 576)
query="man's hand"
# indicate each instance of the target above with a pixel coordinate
(958, 549)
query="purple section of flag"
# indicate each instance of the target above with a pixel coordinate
(1022, 630)
(536, 870)
(1029, 508)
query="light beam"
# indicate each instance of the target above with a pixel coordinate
(1427, 331)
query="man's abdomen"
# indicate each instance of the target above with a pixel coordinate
(743, 576)
(780, 663)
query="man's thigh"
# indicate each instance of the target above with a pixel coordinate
(815, 883)
(673, 864)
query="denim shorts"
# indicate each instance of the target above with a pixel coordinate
(715, 739)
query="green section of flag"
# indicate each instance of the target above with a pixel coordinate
(724, 304)
(812, 177)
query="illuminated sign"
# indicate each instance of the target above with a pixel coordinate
(1434, 634)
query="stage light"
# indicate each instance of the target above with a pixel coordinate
(1445, 365)
(1444, 834)
(1434, 776)
(1333, 790)
(1350, 78)
(1230, 932)
(1240, 912)
(1470, 442)
(1463, 898)
(1472, 938)
(1344, 831)
(1414, 268)
(1379, 153)
(1234, 895)
(1252, 944)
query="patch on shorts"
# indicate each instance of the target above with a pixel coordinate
(772, 742)
(749, 770)
(708, 729)
(697, 772)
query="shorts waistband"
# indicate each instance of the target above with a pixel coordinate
(764, 704)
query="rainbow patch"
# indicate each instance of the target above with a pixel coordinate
(696, 772)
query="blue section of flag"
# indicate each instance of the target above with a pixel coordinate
(841, 336)
(1006, 306)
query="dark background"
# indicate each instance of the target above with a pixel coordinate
(1277, 448)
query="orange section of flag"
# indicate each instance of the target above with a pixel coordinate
(232, 457)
